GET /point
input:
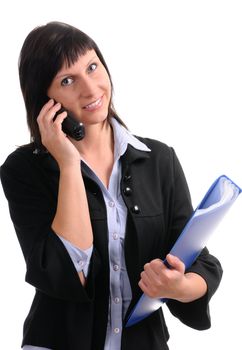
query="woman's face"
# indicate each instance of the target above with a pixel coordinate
(84, 89)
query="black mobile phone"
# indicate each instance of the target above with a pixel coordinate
(71, 126)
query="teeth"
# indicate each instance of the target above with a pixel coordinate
(94, 104)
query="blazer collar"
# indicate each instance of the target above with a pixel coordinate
(133, 154)
(123, 138)
(127, 147)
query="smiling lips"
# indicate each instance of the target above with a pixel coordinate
(94, 105)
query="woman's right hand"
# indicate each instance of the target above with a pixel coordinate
(72, 218)
(53, 137)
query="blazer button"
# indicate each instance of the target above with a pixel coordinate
(127, 191)
(127, 177)
(135, 209)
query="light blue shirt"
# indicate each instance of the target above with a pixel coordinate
(120, 291)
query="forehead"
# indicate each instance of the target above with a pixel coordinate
(82, 60)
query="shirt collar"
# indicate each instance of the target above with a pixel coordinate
(123, 137)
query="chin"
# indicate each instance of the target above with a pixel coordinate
(94, 118)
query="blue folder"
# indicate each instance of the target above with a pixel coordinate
(216, 202)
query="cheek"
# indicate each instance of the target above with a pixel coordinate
(64, 96)
(50, 92)
(54, 93)
(104, 78)
(108, 87)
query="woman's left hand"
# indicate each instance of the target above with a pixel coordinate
(159, 281)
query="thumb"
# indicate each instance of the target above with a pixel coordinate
(175, 263)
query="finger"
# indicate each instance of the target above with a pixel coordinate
(152, 274)
(157, 266)
(153, 290)
(48, 113)
(175, 263)
(60, 118)
(143, 287)
(57, 124)
(146, 278)
(45, 109)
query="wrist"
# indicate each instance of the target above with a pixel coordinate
(183, 289)
(192, 287)
(69, 166)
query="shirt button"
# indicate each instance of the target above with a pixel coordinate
(115, 236)
(116, 330)
(81, 263)
(111, 204)
(116, 300)
(115, 267)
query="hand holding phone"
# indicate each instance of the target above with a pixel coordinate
(71, 126)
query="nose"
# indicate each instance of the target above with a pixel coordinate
(87, 87)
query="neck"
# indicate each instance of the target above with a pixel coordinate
(98, 139)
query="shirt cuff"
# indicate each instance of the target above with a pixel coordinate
(80, 258)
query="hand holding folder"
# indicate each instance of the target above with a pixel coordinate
(216, 202)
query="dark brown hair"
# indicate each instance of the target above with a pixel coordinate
(44, 51)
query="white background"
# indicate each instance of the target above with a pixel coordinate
(177, 73)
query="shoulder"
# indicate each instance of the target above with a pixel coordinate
(23, 161)
(163, 157)
(158, 149)
(19, 155)
(26, 170)
(152, 143)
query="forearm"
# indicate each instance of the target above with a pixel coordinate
(72, 219)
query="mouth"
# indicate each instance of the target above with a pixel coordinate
(94, 105)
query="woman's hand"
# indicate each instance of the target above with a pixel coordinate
(72, 219)
(159, 281)
(52, 136)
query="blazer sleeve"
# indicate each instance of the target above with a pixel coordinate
(194, 314)
(32, 209)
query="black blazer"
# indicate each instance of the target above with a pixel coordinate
(66, 316)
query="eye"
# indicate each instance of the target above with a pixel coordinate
(66, 81)
(92, 67)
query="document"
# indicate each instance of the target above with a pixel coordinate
(215, 204)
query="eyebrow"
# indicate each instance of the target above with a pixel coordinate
(62, 75)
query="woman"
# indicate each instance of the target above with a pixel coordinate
(96, 217)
